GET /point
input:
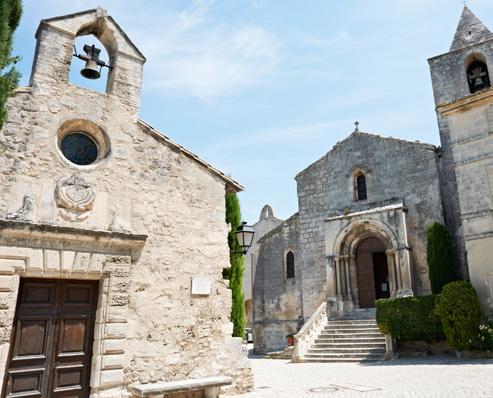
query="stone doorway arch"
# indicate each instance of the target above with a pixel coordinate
(346, 282)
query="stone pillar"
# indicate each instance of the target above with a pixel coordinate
(392, 272)
(349, 297)
(405, 270)
(398, 276)
(354, 281)
(338, 276)
(331, 282)
(340, 281)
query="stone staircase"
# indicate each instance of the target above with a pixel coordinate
(352, 338)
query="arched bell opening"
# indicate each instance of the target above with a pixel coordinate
(478, 77)
(94, 57)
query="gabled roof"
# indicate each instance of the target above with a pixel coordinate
(71, 23)
(470, 30)
(417, 144)
(231, 185)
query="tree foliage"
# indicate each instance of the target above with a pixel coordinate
(439, 256)
(10, 15)
(235, 272)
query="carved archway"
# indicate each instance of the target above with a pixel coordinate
(345, 249)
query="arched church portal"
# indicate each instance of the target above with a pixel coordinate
(372, 272)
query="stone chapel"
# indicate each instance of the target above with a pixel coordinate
(112, 236)
(360, 232)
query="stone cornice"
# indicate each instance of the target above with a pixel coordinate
(30, 234)
(467, 103)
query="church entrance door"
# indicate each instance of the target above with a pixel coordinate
(52, 339)
(372, 272)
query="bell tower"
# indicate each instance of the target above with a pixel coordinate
(464, 105)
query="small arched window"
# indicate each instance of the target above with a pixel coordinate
(289, 265)
(360, 187)
(477, 76)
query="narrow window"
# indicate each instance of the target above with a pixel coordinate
(290, 265)
(360, 187)
(477, 76)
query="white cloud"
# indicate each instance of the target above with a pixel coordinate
(193, 56)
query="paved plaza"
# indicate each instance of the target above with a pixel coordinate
(430, 378)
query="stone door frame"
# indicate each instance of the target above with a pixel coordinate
(49, 252)
(345, 283)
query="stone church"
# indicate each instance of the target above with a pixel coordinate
(112, 237)
(360, 232)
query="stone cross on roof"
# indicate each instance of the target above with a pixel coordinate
(469, 31)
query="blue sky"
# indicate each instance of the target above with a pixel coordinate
(263, 88)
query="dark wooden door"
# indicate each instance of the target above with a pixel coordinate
(381, 276)
(52, 339)
(366, 284)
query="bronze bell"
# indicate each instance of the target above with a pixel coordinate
(91, 70)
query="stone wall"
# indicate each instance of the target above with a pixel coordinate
(145, 184)
(277, 299)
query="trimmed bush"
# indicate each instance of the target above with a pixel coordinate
(410, 318)
(439, 257)
(460, 312)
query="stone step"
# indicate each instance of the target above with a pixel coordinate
(351, 340)
(356, 357)
(356, 320)
(349, 345)
(352, 327)
(342, 350)
(341, 360)
(354, 332)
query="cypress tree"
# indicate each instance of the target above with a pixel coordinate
(10, 15)
(235, 272)
(439, 256)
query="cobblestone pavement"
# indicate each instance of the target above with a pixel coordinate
(429, 378)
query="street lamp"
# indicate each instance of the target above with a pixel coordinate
(244, 235)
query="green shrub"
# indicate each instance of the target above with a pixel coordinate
(460, 312)
(410, 318)
(439, 257)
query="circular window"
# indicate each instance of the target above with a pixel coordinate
(79, 148)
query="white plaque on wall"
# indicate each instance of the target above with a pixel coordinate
(201, 286)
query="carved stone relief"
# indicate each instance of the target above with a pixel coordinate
(74, 198)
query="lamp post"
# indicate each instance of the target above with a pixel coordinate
(244, 235)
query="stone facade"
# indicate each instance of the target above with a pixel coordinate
(466, 125)
(331, 223)
(367, 204)
(145, 219)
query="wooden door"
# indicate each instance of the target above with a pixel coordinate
(52, 339)
(366, 284)
(381, 276)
